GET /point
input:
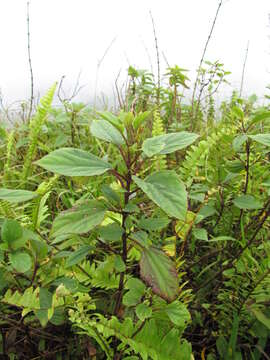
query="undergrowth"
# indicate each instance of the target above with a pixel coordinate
(137, 234)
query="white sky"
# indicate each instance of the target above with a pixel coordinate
(69, 36)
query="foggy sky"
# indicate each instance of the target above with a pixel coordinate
(69, 36)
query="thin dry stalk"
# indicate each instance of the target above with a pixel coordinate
(203, 55)
(158, 59)
(99, 63)
(243, 70)
(30, 63)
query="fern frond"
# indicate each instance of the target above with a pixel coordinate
(7, 209)
(7, 166)
(159, 162)
(37, 211)
(196, 161)
(34, 131)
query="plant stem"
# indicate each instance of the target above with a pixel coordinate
(124, 239)
(30, 64)
(202, 59)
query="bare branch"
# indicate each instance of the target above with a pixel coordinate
(203, 55)
(243, 70)
(30, 62)
(158, 59)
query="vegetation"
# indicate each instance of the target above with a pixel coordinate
(138, 234)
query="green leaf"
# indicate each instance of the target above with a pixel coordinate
(114, 120)
(40, 248)
(200, 234)
(178, 313)
(238, 112)
(12, 234)
(261, 317)
(166, 144)
(16, 196)
(247, 202)
(159, 272)
(78, 255)
(104, 130)
(45, 300)
(73, 162)
(11, 231)
(261, 116)
(233, 339)
(143, 311)
(261, 138)
(222, 346)
(135, 293)
(153, 224)
(238, 141)
(167, 191)
(21, 261)
(3, 281)
(119, 264)
(58, 317)
(139, 119)
(235, 166)
(111, 232)
(79, 219)
(110, 194)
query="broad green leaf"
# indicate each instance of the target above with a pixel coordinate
(45, 300)
(206, 211)
(21, 261)
(222, 346)
(11, 231)
(42, 316)
(186, 350)
(238, 141)
(104, 130)
(110, 194)
(261, 317)
(153, 224)
(131, 208)
(80, 219)
(13, 234)
(178, 313)
(235, 166)
(167, 191)
(111, 232)
(143, 311)
(261, 116)
(119, 264)
(135, 293)
(111, 118)
(200, 234)
(159, 272)
(16, 196)
(39, 248)
(78, 255)
(261, 138)
(141, 238)
(222, 238)
(166, 144)
(58, 317)
(73, 162)
(247, 202)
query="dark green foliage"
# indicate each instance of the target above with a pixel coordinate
(126, 236)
